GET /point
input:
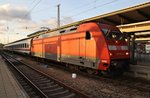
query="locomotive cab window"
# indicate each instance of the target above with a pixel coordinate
(88, 35)
(112, 34)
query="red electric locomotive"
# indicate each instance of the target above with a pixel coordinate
(93, 46)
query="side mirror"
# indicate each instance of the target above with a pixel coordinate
(88, 35)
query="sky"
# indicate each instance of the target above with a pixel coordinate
(18, 18)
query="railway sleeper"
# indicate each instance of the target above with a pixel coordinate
(45, 84)
(59, 93)
(37, 76)
(40, 82)
(52, 90)
(50, 86)
(29, 90)
(32, 94)
(37, 79)
(33, 74)
(23, 83)
(36, 96)
(27, 86)
(40, 77)
(72, 95)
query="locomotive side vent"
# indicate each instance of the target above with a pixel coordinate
(63, 31)
(73, 29)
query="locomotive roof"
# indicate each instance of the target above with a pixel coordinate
(129, 15)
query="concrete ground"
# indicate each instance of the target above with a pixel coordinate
(9, 87)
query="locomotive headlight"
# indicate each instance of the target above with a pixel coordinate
(104, 61)
(110, 54)
(127, 53)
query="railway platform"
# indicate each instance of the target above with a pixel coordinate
(140, 70)
(9, 87)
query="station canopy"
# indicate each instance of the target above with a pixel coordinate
(138, 13)
(130, 15)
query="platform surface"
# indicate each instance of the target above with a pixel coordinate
(140, 70)
(9, 87)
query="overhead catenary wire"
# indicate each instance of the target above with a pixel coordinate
(32, 9)
(44, 9)
(32, 2)
(95, 7)
(26, 14)
(81, 6)
(87, 10)
(47, 8)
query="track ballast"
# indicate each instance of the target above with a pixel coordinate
(38, 84)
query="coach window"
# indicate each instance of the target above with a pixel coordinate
(88, 35)
(25, 45)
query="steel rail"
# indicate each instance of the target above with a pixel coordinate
(44, 74)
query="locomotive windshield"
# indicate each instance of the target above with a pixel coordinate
(113, 34)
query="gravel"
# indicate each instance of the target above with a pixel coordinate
(94, 87)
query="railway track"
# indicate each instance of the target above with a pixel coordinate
(40, 85)
(124, 80)
(132, 83)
